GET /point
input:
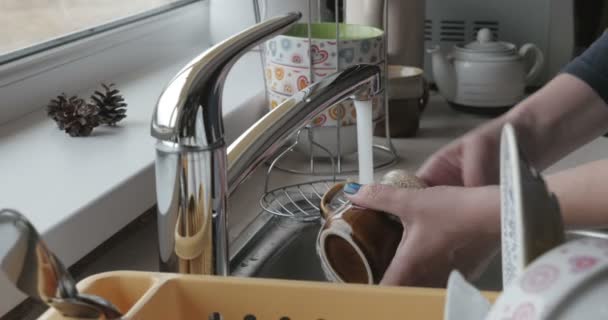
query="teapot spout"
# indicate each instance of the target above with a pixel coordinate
(444, 73)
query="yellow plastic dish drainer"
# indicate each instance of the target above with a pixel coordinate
(163, 296)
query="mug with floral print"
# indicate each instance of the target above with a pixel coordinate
(287, 63)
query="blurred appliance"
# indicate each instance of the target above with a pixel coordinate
(550, 24)
(595, 22)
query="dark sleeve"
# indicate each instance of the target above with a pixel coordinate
(592, 66)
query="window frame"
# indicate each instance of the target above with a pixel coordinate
(26, 84)
(88, 32)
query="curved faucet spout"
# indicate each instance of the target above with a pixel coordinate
(195, 93)
(262, 139)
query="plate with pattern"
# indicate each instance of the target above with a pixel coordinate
(531, 222)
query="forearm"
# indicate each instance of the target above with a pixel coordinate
(570, 111)
(562, 116)
(581, 192)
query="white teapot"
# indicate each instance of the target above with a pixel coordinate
(485, 73)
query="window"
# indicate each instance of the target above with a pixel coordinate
(137, 44)
(32, 26)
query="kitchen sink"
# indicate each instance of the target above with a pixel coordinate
(281, 248)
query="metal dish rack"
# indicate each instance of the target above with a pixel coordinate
(302, 201)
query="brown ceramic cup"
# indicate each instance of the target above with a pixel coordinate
(356, 245)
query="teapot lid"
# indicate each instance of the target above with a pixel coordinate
(486, 45)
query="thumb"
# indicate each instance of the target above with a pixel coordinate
(380, 197)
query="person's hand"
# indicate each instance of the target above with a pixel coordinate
(471, 160)
(445, 228)
(557, 119)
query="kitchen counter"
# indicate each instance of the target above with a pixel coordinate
(135, 247)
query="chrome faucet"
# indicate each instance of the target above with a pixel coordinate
(195, 172)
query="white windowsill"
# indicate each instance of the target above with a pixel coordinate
(50, 176)
(80, 191)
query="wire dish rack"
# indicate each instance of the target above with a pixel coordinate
(330, 164)
(298, 201)
(302, 201)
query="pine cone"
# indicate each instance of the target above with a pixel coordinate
(73, 115)
(110, 104)
(79, 118)
(62, 106)
(82, 121)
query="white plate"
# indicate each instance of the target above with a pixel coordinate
(531, 219)
(511, 208)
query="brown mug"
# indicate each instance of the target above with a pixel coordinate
(356, 245)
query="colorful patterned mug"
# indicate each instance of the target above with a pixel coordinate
(288, 63)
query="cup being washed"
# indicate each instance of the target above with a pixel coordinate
(356, 244)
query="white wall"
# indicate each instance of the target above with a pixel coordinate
(231, 16)
(227, 17)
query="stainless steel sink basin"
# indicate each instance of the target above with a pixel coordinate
(280, 248)
(275, 247)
